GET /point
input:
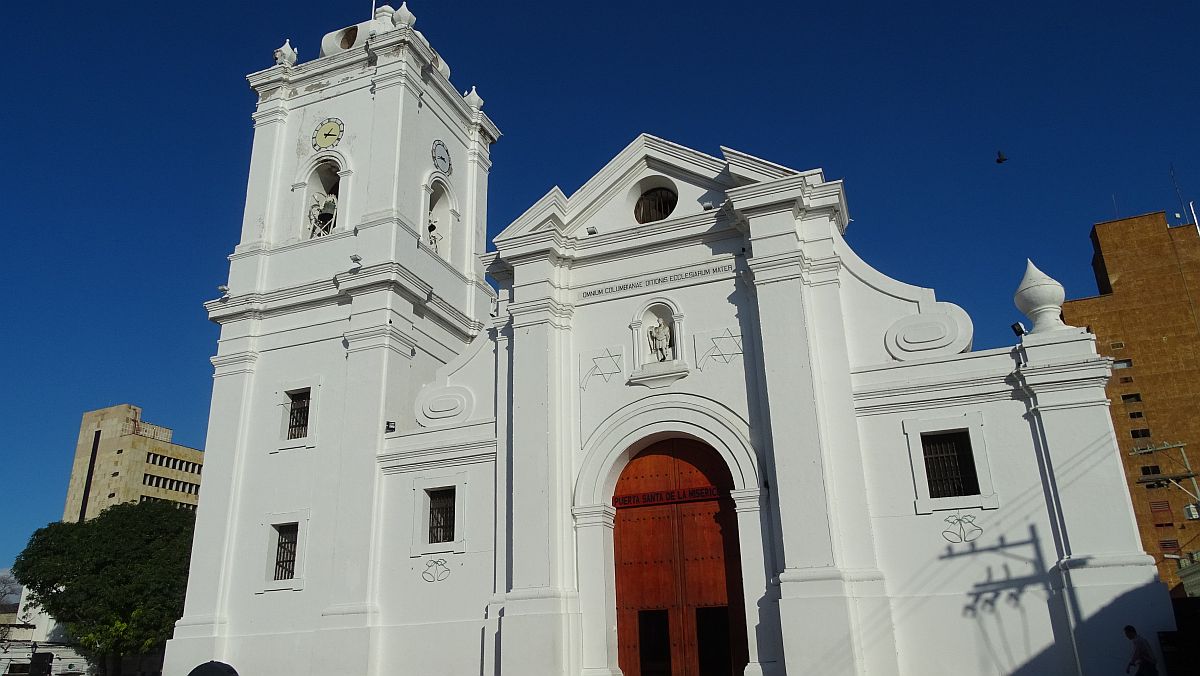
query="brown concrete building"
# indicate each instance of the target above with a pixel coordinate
(121, 458)
(1146, 318)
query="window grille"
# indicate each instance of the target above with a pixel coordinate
(1131, 398)
(287, 535)
(298, 414)
(654, 205)
(1169, 545)
(1141, 433)
(441, 515)
(949, 464)
(1160, 506)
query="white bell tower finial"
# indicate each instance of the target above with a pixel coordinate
(1041, 298)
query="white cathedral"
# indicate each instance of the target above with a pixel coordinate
(672, 425)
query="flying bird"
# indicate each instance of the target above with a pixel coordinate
(1000, 158)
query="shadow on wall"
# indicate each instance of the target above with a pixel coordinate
(1001, 605)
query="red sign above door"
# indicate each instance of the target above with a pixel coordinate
(668, 496)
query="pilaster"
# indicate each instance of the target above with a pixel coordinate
(202, 629)
(539, 629)
(1098, 549)
(830, 581)
(379, 347)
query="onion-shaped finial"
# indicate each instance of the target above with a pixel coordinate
(285, 54)
(473, 99)
(1041, 299)
(404, 16)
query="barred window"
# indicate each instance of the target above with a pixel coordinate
(1169, 545)
(286, 538)
(298, 408)
(654, 205)
(441, 515)
(949, 464)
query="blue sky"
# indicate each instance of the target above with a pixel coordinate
(128, 137)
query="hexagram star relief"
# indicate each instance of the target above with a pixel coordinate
(605, 364)
(719, 347)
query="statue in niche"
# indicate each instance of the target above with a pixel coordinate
(659, 336)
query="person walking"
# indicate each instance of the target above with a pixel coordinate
(1142, 657)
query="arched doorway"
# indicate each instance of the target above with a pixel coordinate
(678, 572)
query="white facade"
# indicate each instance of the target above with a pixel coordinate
(812, 375)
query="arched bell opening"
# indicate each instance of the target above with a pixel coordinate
(439, 225)
(321, 201)
(679, 598)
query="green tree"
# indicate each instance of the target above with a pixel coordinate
(117, 580)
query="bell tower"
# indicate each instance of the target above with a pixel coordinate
(371, 147)
(356, 277)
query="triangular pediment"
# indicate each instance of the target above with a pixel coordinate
(606, 201)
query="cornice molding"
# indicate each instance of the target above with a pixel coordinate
(383, 336)
(234, 364)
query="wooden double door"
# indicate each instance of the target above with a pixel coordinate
(679, 581)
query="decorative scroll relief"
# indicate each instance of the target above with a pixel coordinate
(600, 366)
(942, 331)
(441, 406)
(714, 348)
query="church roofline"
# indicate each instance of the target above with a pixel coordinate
(734, 169)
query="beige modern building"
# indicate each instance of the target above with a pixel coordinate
(121, 458)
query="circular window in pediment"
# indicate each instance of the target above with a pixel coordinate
(654, 205)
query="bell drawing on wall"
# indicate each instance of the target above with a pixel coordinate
(659, 336)
(962, 528)
(322, 214)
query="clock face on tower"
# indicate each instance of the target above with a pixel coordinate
(328, 133)
(441, 158)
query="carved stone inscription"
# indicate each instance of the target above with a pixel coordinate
(641, 284)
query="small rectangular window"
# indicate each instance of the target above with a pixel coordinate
(298, 407)
(1116, 345)
(1122, 364)
(1136, 414)
(441, 515)
(1131, 398)
(1141, 433)
(949, 464)
(1160, 506)
(1126, 379)
(1169, 545)
(286, 539)
(120, 451)
(1149, 470)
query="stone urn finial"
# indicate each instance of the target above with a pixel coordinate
(404, 16)
(1041, 298)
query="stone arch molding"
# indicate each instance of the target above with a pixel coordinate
(635, 426)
